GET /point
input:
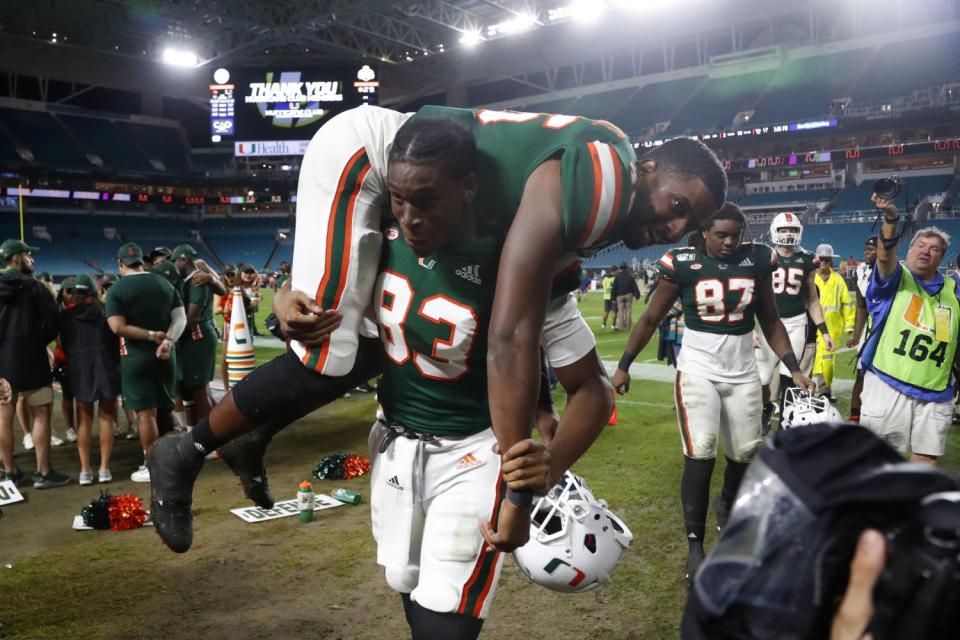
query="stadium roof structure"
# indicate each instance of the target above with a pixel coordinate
(423, 47)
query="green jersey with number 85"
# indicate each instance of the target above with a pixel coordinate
(719, 296)
(433, 314)
(789, 281)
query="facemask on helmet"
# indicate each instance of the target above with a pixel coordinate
(786, 230)
(800, 408)
(575, 541)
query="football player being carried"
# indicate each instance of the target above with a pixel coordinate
(556, 186)
(723, 284)
(436, 469)
(796, 296)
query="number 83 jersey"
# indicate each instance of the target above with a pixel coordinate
(433, 314)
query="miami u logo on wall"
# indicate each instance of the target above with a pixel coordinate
(556, 563)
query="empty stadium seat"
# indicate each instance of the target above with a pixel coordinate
(159, 142)
(654, 103)
(803, 88)
(101, 136)
(899, 68)
(799, 196)
(43, 136)
(718, 101)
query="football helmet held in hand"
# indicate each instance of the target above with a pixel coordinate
(800, 408)
(575, 541)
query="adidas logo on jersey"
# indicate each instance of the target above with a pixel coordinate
(468, 462)
(746, 262)
(394, 483)
(471, 273)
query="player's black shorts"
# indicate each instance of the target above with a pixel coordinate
(610, 305)
(283, 390)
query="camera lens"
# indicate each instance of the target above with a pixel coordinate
(940, 515)
(886, 188)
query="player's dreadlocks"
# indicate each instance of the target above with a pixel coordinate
(729, 211)
(691, 159)
(436, 141)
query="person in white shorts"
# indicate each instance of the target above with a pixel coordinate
(724, 285)
(908, 391)
(861, 325)
(436, 470)
(796, 296)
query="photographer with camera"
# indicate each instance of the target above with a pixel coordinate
(907, 361)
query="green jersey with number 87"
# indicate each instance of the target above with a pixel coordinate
(718, 296)
(433, 315)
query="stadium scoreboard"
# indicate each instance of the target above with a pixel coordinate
(275, 112)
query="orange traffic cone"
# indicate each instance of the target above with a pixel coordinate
(613, 416)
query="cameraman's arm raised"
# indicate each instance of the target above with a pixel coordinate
(886, 256)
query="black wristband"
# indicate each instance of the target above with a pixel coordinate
(822, 328)
(626, 360)
(790, 362)
(891, 220)
(521, 497)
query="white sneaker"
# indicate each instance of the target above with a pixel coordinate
(28, 442)
(142, 474)
(72, 434)
(86, 477)
(55, 441)
(132, 434)
(105, 475)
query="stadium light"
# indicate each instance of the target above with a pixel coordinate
(180, 58)
(580, 10)
(470, 38)
(514, 25)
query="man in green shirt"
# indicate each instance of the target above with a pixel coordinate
(609, 304)
(147, 313)
(197, 348)
(284, 275)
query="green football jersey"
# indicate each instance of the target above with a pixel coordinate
(595, 169)
(433, 315)
(789, 281)
(202, 296)
(145, 300)
(719, 296)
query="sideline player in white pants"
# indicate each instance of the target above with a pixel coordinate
(723, 285)
(796, 295)
(861, 325)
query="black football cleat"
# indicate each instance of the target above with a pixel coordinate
(244, 456)
(766, 418)
(695, 557)
(174, 465)
(721, 509)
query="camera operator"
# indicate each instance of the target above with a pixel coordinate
(907, 396)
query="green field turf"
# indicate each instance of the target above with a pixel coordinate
(284, 579)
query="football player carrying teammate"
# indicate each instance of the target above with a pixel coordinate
(796, 295)
(556, 185)
(724, 284)
(436, 472)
